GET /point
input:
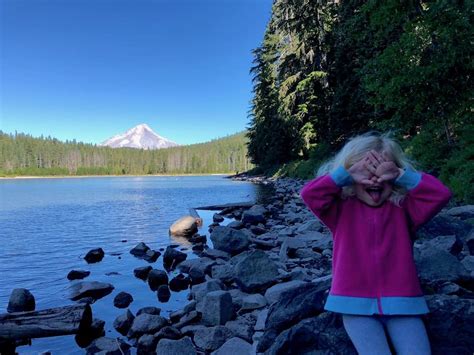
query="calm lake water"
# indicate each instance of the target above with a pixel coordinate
(48, 225)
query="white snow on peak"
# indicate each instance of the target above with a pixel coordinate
(141, 137)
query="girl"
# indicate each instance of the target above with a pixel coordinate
(372, 200)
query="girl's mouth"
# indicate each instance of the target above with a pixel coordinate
(375, 192)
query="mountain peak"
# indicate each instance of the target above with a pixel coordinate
(141, 137)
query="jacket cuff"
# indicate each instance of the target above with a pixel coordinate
(341, 177)
(409, 179)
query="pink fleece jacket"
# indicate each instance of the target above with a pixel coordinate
(373, 267)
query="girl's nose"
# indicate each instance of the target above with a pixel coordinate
(374, 178)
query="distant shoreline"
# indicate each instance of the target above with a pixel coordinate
(96, 176)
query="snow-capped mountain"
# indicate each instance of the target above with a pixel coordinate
(141, 137)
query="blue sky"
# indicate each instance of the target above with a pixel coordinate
(90, 69)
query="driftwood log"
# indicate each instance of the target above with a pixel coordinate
(232, 205)
(46, 323)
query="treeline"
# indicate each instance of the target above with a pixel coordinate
(22, 154)
(328, 70)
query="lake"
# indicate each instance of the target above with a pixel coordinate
(48, 225)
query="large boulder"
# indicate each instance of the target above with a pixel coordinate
(93, 289)
(230, 240)
(435, 261)
(450, 324)
(186, 226)
(294, 305)
(319, 334)
(255, 272)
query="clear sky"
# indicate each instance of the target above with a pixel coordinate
(90, 69)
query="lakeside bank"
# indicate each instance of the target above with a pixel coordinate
(262, 286)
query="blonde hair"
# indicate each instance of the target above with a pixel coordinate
(355, 149)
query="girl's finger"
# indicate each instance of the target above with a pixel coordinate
(370, 167)
(377, 156)
(372, 159)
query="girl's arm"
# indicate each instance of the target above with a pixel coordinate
(426, 196)
(322, 195)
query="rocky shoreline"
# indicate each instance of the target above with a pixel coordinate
(262, 287)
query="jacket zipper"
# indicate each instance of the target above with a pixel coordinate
(377, 280)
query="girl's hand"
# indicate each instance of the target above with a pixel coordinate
(360, 171)
(383, 167)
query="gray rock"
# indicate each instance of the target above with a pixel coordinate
(261, 319)
(242, 327)
(462, 212)
(108, 346)
(123, 300)
(149, 310)
(254, 301)
(212, 338)
(183, 346)
(217, 218)
(229, 240)
(140, 250)
(273, 293)
(142, 272)
(146, 324)
(151, 256)
(156, 278)
(146, 344)
(173, 257)
(312, 225)
(187, 319)
(204, 264)
(324, 281)
(238, 298)
(186, 226)
(255, 272)
(468, 263)
(163, 293)
(319, 333)
(94, 255)
(168, 332)
(449, 324)
(217, 308)
(224, 273)
(215, 254)
(254, 215)
(199, 291)
(21, 300)
(446, 268)
(234, 346)
(123, 322)
(93, 289)
(77, 274)
(236, 225)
